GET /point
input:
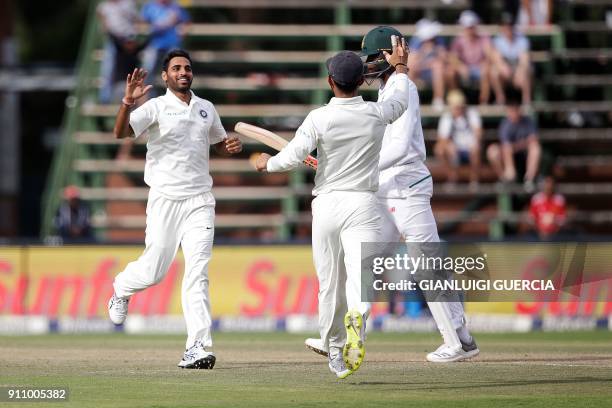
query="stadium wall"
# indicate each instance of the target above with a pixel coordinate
(253, 288)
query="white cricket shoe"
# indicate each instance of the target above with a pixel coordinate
(117, 309)
(198, 357)
(447, 354)
(316, 345)
(338, 367)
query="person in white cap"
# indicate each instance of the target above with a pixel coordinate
(459, 138)
(429, 59)
(470, 56)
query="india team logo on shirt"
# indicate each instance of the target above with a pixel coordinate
(203, 114)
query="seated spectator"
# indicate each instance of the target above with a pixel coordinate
(517, 156)
(72, 220)
(428, 59)
(118, 19)
(511, 63)
(166, 21)
(459, 138)
(535, 12)
(470, 56)
(547, 210)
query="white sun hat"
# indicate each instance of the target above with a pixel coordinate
(469, 19)
(428, 30)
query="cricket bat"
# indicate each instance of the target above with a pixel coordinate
(269, 139)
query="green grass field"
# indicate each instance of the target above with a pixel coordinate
(518, 370)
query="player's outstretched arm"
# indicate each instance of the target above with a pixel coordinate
(134, 90)
(399, 101)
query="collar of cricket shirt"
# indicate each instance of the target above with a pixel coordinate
(172, 98)
(389, 84)
(345, 101)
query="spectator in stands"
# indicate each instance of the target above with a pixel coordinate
(459, 138)
(547, 210)
(428, 58)
(535, 12)
(127, 58)
(511, 63)
(167, 22)
(470, 56)
(517, 156)
(118, 19)
(72, 220)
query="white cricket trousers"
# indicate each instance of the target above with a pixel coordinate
(341, 221)
(190, 223)
(412, 219)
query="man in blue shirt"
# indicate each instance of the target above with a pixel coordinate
(166, 20)
(511, 62)
(517, 156)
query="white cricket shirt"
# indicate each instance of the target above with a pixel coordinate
(179, 142)
(347, 134)
(403, 146)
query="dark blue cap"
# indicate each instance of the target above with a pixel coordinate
(345, 68)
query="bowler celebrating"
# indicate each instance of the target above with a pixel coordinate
(347, 134)
(181, 209)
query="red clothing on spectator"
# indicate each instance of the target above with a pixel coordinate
(548, 212)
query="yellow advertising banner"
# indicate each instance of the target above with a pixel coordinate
(77, 281)
(249, 281)
(11, 280)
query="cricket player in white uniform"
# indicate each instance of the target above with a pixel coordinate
(181, 209)
(347, 133)
(405, 190)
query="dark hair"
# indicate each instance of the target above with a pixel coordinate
(177, 52)
(513, 97)
(347, 89)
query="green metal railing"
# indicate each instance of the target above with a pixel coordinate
(60, 174)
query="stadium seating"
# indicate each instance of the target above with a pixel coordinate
(258, 62)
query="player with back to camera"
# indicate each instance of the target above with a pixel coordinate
(181, 127)
(347, 133)
(405, 190)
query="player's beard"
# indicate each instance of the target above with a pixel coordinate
(176, 86)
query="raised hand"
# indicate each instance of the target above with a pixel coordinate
(135, 87)
(400, 52)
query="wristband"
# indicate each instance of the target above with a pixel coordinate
(123, 101)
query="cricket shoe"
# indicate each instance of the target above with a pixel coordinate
(338, 367)
(316, 345)
(447, 354)
(353, 351)
(117, 309)
(198, 357)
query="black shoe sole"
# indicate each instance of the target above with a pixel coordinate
(316, 350)
(206, 363)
